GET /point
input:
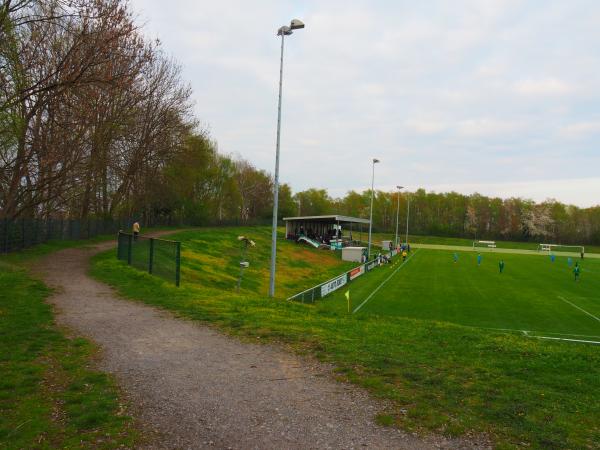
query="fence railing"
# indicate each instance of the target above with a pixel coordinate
(159, 257)
(322, 290)
(19, 234)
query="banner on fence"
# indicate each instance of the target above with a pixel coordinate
(371, 265)
(356, 272)
(333, 285)
(326, 288)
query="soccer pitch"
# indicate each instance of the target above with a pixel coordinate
(533, 296)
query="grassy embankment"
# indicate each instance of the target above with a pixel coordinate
(50, 396)
(440, 376)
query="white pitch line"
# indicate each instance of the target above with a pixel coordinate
(385, 281)
(580, 309)
(565, 339)
(533, 336)
(535, 331)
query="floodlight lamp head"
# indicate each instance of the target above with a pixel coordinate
(284, 31)
(400, 187)
(296, 24)
(375, 160)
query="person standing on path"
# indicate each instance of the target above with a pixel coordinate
(501, 265)
(136, 230)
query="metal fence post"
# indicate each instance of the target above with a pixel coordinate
(178, 264)
(130, 240)
(151, 259)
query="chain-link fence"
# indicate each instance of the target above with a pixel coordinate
(321, 290)
(158, 257)
(19, 234)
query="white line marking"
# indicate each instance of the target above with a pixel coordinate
(385, 281)
(526, 334)
(534, 331)
(565, 339)
(580, 309)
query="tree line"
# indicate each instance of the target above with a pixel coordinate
(96, 122)
(457, 215)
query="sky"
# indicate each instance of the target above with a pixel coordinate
(500, 97)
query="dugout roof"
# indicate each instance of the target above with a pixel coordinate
(326, 219)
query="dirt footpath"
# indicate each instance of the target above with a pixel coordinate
(199, 388)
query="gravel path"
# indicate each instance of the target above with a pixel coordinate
(199, 388)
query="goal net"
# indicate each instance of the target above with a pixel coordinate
(561, 248)
(484, 244)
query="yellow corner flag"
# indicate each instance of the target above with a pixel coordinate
(347, 294)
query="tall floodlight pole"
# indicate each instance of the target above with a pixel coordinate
(375, 161)
(398, 215)
(283, 31)
(407, 216)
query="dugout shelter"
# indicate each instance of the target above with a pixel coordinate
(333, 230)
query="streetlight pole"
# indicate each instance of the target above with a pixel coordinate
(283, 31)
(407, 216)
(398, 215)
(375, 161)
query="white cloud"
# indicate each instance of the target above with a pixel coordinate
(544, 87)
(487, 127)
(581, 129)
(420, 126)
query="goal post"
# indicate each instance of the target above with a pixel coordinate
(561, 248)
(484, 244)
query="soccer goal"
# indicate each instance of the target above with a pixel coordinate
(561, 248)
(487, 244)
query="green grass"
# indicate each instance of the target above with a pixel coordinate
(440, 376)
(210, 258)
(529, 295)
(464, 242)
(49, 396)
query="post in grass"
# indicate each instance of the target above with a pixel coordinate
(347, 294)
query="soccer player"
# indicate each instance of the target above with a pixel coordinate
(576, 271)
(455, 256)
(479, 258)
(501, 265)
(404, 255)
(552, 257)
(570, 261)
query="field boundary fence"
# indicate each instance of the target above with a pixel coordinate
(158, 257)
(322, 290)
(19, 234)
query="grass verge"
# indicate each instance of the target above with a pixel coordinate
(442, 377)
(50, 397)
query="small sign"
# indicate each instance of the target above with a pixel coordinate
(333, 285)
